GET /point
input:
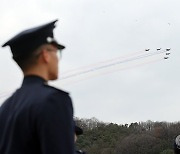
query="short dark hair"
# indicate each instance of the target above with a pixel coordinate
(27, 61)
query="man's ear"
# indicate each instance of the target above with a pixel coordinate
(45, 56)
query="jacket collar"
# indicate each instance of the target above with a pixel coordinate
(30, 79)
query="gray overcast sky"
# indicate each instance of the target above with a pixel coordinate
(98, 30)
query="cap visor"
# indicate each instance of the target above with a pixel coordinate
(59, 46)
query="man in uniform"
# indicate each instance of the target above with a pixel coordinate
(37, 118)
(177, 145)
(78, 131)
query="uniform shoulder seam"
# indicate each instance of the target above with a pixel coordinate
(56, 89)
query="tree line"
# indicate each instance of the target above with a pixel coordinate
(136, 138)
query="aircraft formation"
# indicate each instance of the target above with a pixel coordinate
(129, 61)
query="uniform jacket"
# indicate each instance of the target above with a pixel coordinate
(37, 119)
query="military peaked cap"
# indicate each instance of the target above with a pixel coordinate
(29, 40)
(78, 130)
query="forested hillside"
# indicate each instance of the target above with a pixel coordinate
(135, 138)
